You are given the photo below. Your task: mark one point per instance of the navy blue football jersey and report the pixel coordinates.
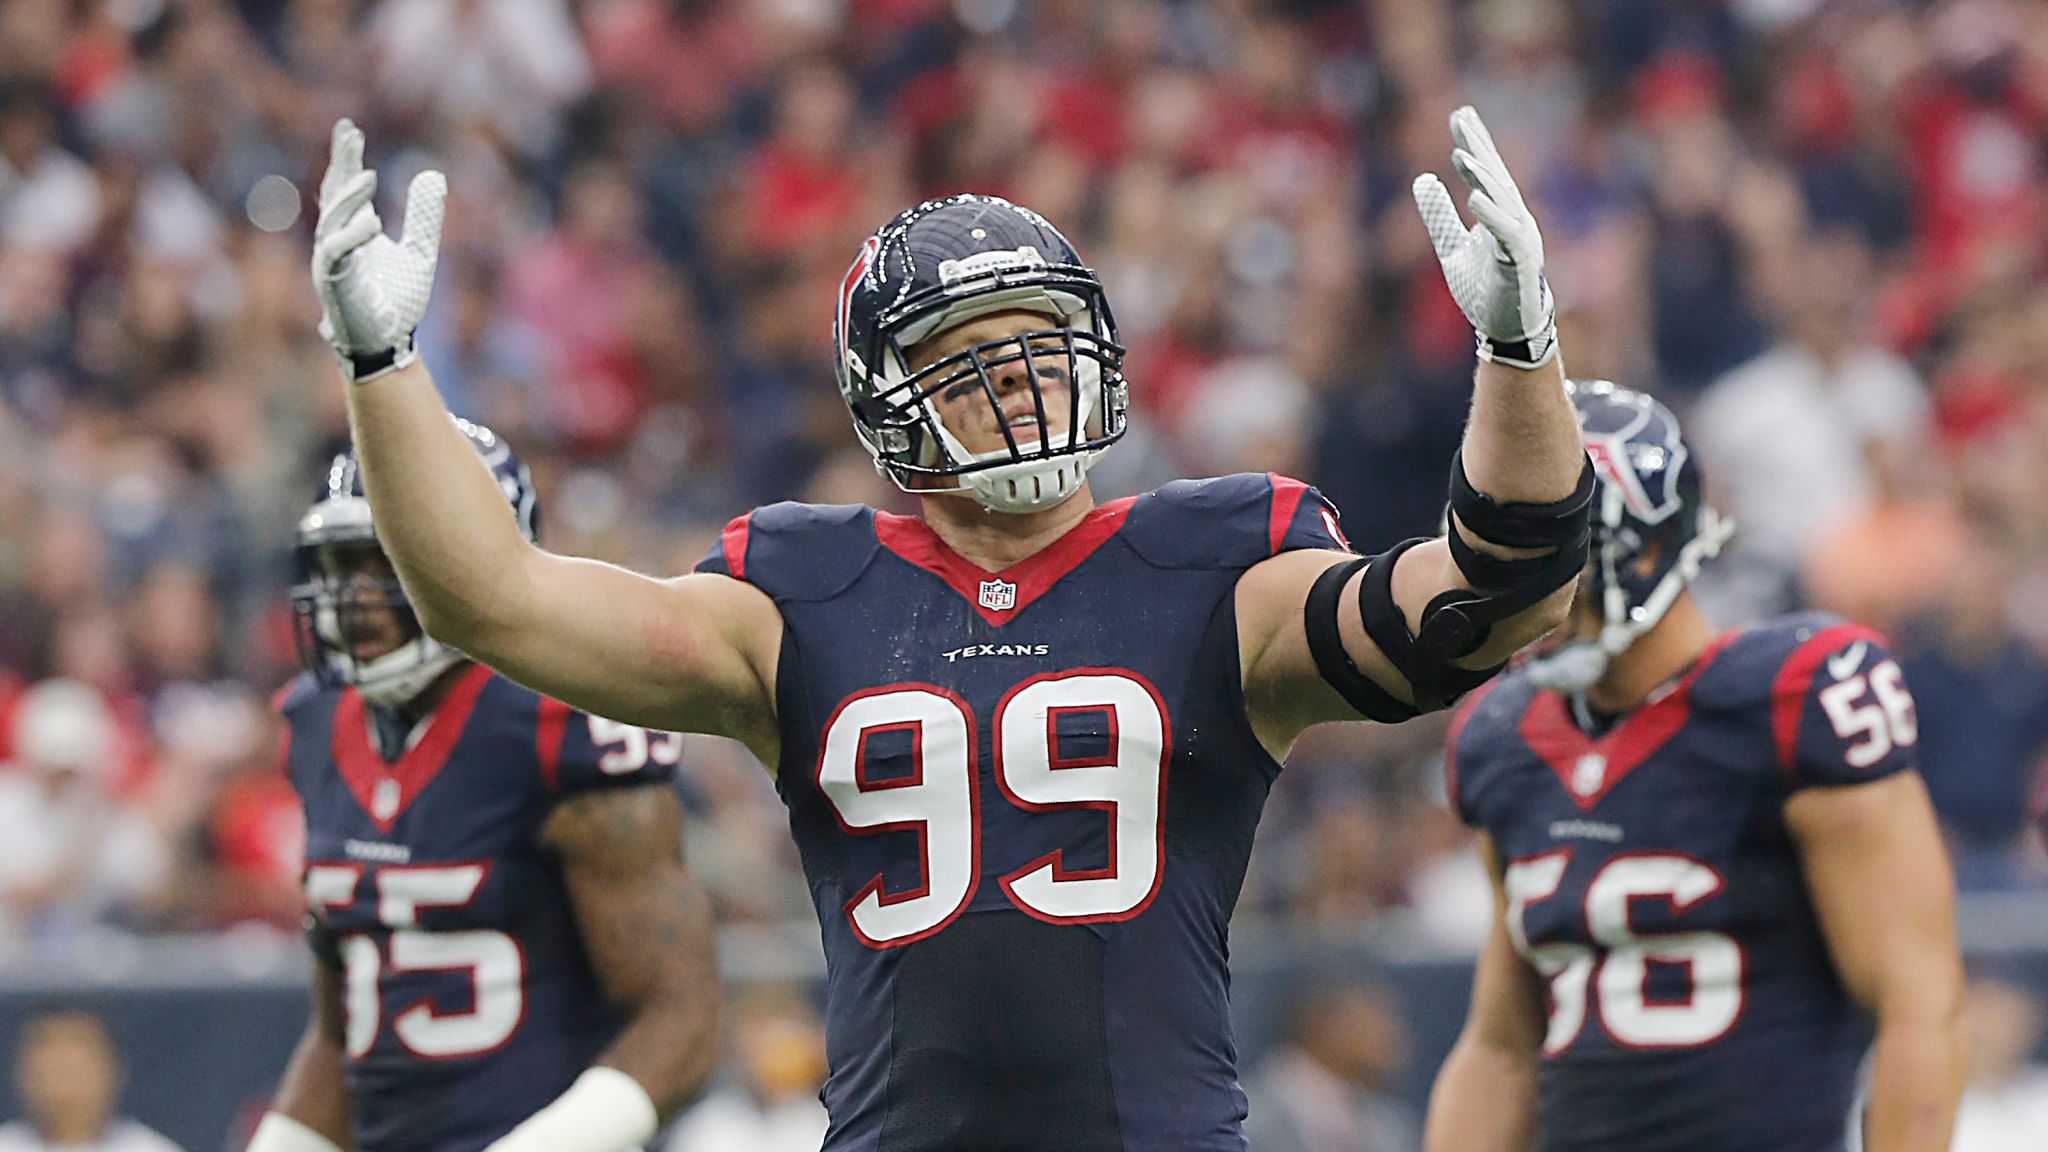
(1024, 802)
(468, 998)
(1652, 883)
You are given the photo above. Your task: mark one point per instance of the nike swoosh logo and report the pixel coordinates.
(1843, 665)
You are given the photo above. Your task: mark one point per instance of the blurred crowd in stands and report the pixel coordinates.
(1816, 228)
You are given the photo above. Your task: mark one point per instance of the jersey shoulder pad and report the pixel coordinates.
(303, 747)
(797, 551)
(1482, 739)
(1830, 692)
(295, 694)
(1230, 521)
(571, 750)
(289, 698)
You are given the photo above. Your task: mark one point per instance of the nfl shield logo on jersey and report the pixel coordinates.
(384, 800)
(1589, 774)
(998, 595)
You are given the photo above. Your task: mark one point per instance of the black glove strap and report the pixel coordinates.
(1524, 354)
(368, 365)
(372, 364)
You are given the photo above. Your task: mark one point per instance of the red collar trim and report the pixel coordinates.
(365, 772)
(1548, 729)
(1028, 579)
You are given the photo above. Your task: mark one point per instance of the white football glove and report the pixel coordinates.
(1495, 268)
(605, 1110)
(373, 290)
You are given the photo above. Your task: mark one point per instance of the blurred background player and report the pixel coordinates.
(1026, 738)
(1330, 1086)
(500, 913)
(1713, 861)
(69, 850)
(68, 1076)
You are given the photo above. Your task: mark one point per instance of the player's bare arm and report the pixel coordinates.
(1484, 1099)
(695, 653)
(1409, 630)
(310, 1112)
(648, 929)
(1881, 887)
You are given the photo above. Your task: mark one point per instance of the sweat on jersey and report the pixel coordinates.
(1024, 802)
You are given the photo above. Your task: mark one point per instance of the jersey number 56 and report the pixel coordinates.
(1617, 973)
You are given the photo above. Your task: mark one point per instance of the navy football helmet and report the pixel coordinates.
(1652, 527)
(329, 589)
(941, 264)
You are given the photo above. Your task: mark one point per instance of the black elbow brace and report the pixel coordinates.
(1457, 622)
(1326, 644)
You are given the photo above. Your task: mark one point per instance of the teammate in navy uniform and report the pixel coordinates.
(1715, 866)
(499, 911)
(1025, 738)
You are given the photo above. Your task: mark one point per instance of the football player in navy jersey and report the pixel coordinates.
(1025, 737)
(500, 915)
(1718, 879)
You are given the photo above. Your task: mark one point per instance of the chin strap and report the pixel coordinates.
(1574, 667)
(1029, 486)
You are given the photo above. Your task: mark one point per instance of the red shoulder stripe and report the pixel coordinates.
(284, 751)
(1287, 494)
(549, 727)
(733, 541)
(1795, 678)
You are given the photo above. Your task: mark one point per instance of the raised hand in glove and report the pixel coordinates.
(1494, 268)
(373, 290)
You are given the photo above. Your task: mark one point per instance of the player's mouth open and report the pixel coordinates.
(366, 642)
